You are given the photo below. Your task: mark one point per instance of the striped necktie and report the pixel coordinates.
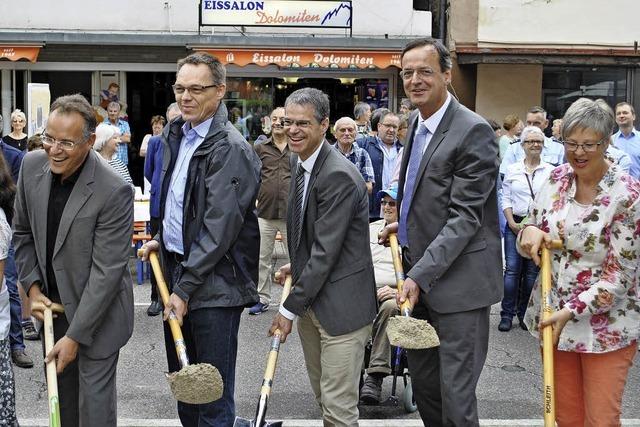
(417, 149)
(297, 211)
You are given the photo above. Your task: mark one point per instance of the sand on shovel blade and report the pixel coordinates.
(411, 333)
(196, 384)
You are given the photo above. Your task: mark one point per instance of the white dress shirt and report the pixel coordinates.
(516, 193)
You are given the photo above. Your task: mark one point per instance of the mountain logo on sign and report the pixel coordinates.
(331, 14)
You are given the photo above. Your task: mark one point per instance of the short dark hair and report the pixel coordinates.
(113, 84)
(444, 55)
(35, 142)
(218, 72)
(158, 119)
(7, 189)
(377, 115)
(537, 110)
(313, 97)
(77, 104)
(622, 104)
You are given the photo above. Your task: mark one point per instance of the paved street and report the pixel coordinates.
(509, 390)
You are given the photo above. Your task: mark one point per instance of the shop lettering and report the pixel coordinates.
(300, 18)
(233, 5)
(259, 58)
(342, 60)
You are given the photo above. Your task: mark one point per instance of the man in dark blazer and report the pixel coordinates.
(448, 229)
(72, 233)
(333, 292)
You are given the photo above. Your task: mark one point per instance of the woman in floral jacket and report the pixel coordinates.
(593, 207)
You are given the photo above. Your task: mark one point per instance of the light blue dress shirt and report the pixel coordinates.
(631, 145)
(552, 152)
(172, 223)
(389, 163)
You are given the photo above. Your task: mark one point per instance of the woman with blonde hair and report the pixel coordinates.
(513, 126)
(17, 138)
(106, 144)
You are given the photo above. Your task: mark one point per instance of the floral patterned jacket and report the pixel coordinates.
(595, 274)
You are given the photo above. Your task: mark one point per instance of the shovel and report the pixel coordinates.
(405, 331)
(548, 397)
(267, 381)
(52, 376)
(196, 384)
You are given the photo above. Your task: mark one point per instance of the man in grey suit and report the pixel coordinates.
(448, 230)
(334, 292)
(72, 233)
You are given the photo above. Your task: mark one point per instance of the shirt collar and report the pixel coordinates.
(351, 151)
(307, 165)
(632, 134)
(202, 129)
(432, 122)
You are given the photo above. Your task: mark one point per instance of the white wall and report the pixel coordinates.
(370, 17)
(564, 22)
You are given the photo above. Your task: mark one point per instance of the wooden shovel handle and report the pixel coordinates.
(39, 306)
(406, 307)
(52, 376)
(163, 290)
(548, 396)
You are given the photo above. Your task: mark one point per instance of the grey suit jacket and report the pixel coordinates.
(91, 253)
(331, 268)
(452, 225)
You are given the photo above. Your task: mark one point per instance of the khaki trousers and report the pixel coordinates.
(333, 364)
(380, 360)
(268, 230)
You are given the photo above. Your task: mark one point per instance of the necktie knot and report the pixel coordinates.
(422, 129)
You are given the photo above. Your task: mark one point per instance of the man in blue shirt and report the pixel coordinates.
(627, 138)
(113, 118)
(552, 151)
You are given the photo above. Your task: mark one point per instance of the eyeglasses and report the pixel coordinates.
(193, 90)
(391, 203)
(533, 142)
(303, 124)
(588, 147)
(64, 144)
(423, 73)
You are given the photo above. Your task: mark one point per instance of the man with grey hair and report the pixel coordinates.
(72, 234)
(333, 294)
(345, 132)
(208, 238)
(362, 114)
(552, 151)
(113, 118)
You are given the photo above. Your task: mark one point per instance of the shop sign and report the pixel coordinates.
(276, 13)
(308, 58)
(14, 53)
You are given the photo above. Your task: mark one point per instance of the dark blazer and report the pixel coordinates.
(454, 238)
(331, 267)
(91, 254)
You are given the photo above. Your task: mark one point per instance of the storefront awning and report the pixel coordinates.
(307, 58)
(15, 53)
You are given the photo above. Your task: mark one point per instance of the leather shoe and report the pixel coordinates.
(21, 359)
(371, 390)
(522, 324)
(505, 325)
(29, 330)
(154, 309)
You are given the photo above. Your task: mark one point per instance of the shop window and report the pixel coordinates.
(65, 82)
(561, 86)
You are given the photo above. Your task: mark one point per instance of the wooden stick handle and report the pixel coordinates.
(55, 307)
(163, 290)
(547, 338)
(52, 376)
(272, 359)
(405, 308)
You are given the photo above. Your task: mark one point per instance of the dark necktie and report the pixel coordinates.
(297, 211)
(417, 149)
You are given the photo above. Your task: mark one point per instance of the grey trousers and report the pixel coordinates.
(444, 378)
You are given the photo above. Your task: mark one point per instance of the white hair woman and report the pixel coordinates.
(521, 183)
(594, 208)
(107, 140)
(17, 138)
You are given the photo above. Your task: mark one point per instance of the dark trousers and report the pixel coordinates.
(444, 378)
(86, 387)
(154, 225)
(211, 336)
(16, 339)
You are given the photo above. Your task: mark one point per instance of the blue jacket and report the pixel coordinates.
(13, 156)
(370, 145)
(153, 171)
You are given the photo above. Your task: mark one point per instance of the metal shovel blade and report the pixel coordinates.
(243, 422)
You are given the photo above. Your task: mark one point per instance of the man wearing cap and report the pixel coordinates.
(380, 359)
